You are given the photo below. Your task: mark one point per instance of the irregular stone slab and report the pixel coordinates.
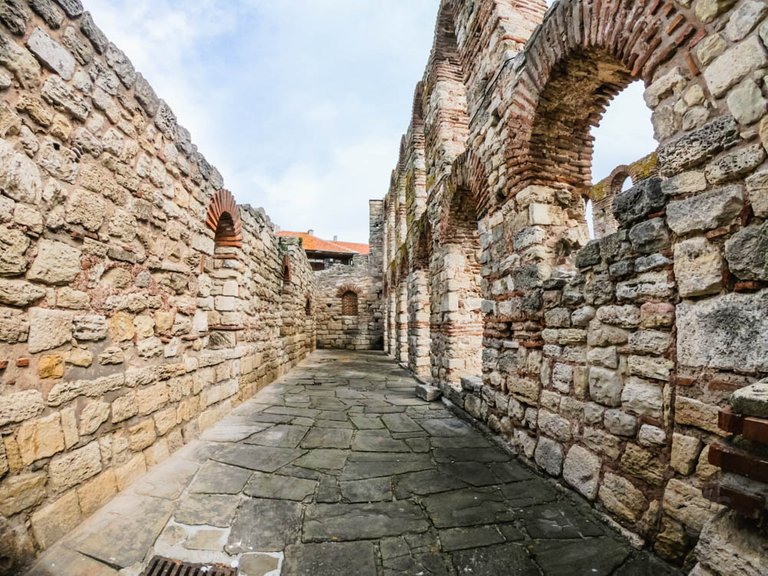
(528, 493)
(265, 526)
(371, 490)
(207, 539)
(257, 564)
(377, 441)
(142, 517)
(496, 560)
(207, 510)
(468, 507)
(327, 438)
(512, 471)
(473, 473)
(51, 564)
(454, 539)
(598, 556)
(323, 460)
(167, 480)
(400, 423)
(643, 564)
(447, 427)
(344, 522)
(367, 422)
(262, 458)
(215, 478)
(330, 559)
(289, 411)
(429, 562)
(559, 521)
(281, 436)
(373, 464)
(751, 400)
(232, 433)
(424, 483)
(470, 455)
(279, 487)
(428, 393)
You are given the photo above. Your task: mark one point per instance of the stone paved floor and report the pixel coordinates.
(338, 469)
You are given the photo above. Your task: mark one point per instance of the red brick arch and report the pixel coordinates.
(583, 55)
(223, 218)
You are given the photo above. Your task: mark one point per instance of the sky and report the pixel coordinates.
(301, 104)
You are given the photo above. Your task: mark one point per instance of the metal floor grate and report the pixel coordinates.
(159, 566)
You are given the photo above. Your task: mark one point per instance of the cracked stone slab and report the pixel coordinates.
(280, 436)
(261, 458)
(468, 507)
(330, 559)
(558, 521)
(344, 522)
(327, 438)
(321, 459)
(74, 563)
(207, 510)
(598, 556)
(167, 480)
(279, 487)
(232, 432)
(496, 560)
(144, 519)
(363, 465)
(425, 482)
(264, 526)
(371, 490)
(216, 478)
(454, 539)
(528, 493)
(400, 423)
(377, 441)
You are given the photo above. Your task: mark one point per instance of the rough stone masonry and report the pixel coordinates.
(138, 303)
(604, 362)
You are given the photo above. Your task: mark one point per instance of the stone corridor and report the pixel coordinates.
(338, 469)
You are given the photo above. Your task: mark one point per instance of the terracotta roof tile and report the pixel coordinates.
(314, 244)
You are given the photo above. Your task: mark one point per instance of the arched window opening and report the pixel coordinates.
(287, 270)
(225, 229)
(308, 306)
(349, 304)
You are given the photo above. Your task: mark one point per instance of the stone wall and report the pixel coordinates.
(138, 302)
(363, 277)
(604, 363)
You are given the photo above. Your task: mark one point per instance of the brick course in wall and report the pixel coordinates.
(138, 303)
(604, 363)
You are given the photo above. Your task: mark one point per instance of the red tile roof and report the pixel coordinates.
(312, 243)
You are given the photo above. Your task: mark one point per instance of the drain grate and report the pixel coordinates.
(159, 566)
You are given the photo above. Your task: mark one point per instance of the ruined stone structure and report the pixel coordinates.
(605, 363)
(138, 302)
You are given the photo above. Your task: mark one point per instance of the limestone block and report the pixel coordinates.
(149, 347)
(93, 415)
(19, 293)
(710, 48)
(554, 425)
(40, 438)
(652, 367)
(735, 164)
(66, 391)
(727, 332)
(751, 400)
(20, 406)
(20, 177)
(643, 398)
(706, 211)
(605, 386)
(698, 267)
(582, 471)
(97, 492)
(85, 208)
(624, 316)
(649, 342)
(549, 455)
(133, 469)
(19, 61)
(686, 504)
(121, 327)
(643, 464)
(56, 263)
(122, 66)
(90, 327)
(57, 93)
(51, 54)
(124, 407)
(650, 436)
(75, 467)
(73, 8)
(56, 520)
(621, 497)
(685, 453)
(22, 492)
(643, 199)
(620, 423)
(79, 357)
(734, 64)
(51, 366)
(29, 217)
(744, 19)
(691, 412)
(72, 299)
(757, 187)
(747, 253)
(13, 246)
(152, 398)
(698, 146)
(684, 183)
(112, 355)
(726, 548)
(600, 441)
(746, 102)
(141, 435)
(48, 329)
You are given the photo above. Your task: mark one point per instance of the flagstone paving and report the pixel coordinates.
(338, 469)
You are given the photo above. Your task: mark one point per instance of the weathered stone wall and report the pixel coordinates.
(138, 303)
(337, 330)
(363, 277)
(604, 362)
